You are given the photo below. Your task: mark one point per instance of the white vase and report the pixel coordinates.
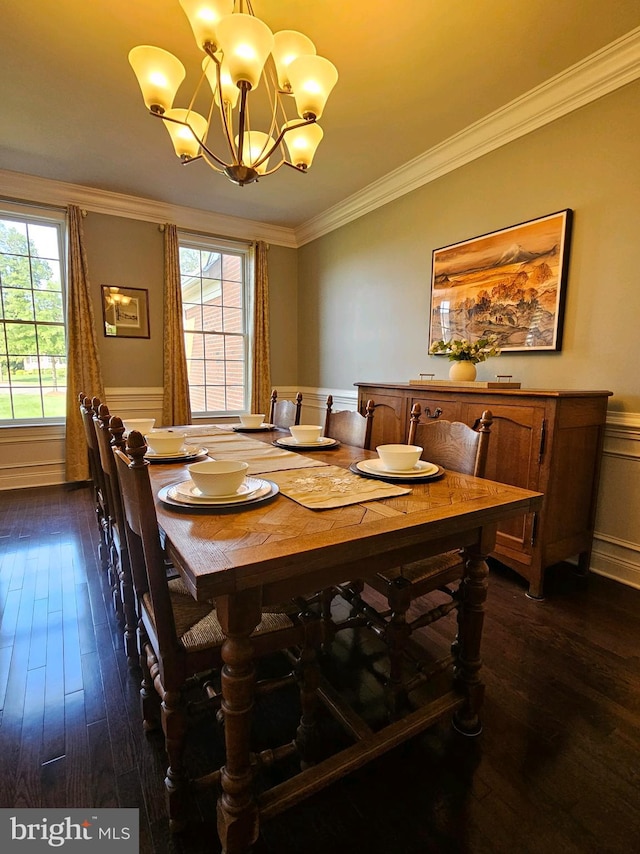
(463, 371)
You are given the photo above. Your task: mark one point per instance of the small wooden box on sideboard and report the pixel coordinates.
(548, 441)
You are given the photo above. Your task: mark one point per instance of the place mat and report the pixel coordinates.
(262, 457)
(332, 486)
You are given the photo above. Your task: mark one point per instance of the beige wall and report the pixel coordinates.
(129, 253)
(364, 289)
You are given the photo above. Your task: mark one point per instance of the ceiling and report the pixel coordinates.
(411, 76)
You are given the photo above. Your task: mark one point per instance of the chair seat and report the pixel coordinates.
(197, 626)
(423, 570)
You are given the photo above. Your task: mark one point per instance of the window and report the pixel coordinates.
(33, 361)
(216, 303)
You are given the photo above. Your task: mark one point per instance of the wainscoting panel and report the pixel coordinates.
(34, 456)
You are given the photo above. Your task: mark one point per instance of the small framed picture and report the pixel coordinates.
(125, 312)
(509, 283)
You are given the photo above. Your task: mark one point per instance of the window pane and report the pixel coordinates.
(216, 399)
(43, 240)
(18, 304)
(189, 262)
(33, 372)
(212, 316)
(21, 339)
(214, 346)
(232, 294)
(234, 373)
(55, 403)
(195, 369)
(232, 268)
(27, 404)
(48, 306)
(214, 300)
(233, 320)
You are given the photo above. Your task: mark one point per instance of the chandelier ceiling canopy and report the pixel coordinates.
(242, 59)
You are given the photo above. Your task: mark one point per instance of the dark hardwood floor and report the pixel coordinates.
(557, 768)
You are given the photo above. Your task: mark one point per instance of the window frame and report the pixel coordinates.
(246, 252)
(40, 214)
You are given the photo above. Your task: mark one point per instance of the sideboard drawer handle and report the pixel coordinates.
(436, 412)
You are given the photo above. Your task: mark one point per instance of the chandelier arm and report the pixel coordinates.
(242, 117)
(210, 50)
(302, 168)
(196, 137)
(210, 163)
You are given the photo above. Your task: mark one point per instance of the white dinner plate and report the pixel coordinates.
(421, 469)
(323, 442)
(169, 495)
(189, 452)
(187, 489)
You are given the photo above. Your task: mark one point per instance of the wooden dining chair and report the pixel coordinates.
(457, 448)
(88, 409)
(285, 413)
(122, 589)
(349, 425)
(180, 639)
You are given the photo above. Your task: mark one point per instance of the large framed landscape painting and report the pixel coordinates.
(510, 283)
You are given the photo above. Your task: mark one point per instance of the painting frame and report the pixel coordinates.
(125, 312)
(510, 283)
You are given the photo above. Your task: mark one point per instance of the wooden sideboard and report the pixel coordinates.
(549, 441)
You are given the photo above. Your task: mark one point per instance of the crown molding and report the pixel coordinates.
(599, 74)
(32, 188)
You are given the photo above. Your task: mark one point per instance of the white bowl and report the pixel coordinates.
(165, 441)
(399, 457)
(144, 425)
(252, 420)
(218, 477)
(305, 434)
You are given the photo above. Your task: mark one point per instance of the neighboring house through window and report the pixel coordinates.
(216, 302)
(33, 362)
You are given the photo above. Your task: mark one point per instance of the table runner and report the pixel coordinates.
(332, 486)
(262, 458)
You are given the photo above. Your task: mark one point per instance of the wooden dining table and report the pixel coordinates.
(250, 557)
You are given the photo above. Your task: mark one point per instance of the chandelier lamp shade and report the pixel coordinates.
(243, 60)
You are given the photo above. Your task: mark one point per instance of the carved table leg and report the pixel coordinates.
(237, 811)
(470, 622)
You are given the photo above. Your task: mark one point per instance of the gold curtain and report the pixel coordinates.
(261, 368)
(83, 360)
(176, 405)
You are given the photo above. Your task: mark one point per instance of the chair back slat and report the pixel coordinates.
(349, 426)
(451, 444)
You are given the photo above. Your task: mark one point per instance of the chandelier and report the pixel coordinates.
(242, 58)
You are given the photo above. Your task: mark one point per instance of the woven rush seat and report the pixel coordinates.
(421, 570)
(197, 626)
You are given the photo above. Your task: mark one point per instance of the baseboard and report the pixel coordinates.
(616, 559)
